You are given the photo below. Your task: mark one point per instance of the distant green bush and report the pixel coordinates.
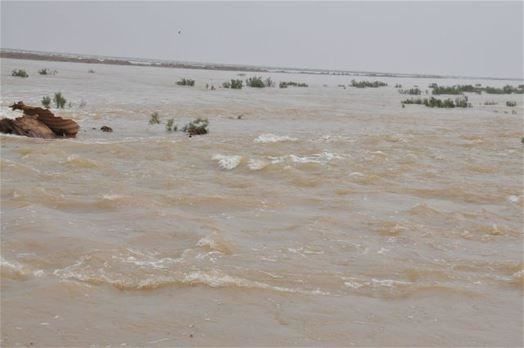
(91, 71)
(171, 126)
(398, 85)
(505, 90)
(59, 100)
(269, 83)
(490, 102)
(368, 84)
(455, 90)
(19, 73)
(255, 82)
(511, 103)
(46, 102)
(186, 82)
(285, 84)
(439, 103)
(411, 91)
(155, 118)
(46, 71)
(197, 127)
(233, 84)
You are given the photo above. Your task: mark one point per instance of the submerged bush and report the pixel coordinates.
(366, 84)
(91, 71)
(255, 82)
(59, 100)
(490, 103)
(505, 90)
(155, 118)
(411, 91)
(46, 102)
(233, 84)
(285, 84)
(19, 73)
(269, 83)
(439, 103)
(171, 126)
(455, 90)
(511, 103)
(196, 127)
(186, 82)
(46, 71)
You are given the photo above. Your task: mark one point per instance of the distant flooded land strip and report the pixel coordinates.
(89, 59)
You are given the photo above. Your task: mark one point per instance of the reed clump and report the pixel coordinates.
(186, 82)
(368, 84)
(197, 127)
(439, 103)
(286, 84)
(19, 73)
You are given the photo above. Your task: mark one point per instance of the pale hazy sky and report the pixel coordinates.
(459, 38)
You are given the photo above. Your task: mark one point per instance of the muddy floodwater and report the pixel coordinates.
(307, 216)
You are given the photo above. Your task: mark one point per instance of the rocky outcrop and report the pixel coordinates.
(26, 126)
(38, 123)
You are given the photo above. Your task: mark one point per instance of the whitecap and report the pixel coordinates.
(272, 138)
(321, 158)
(227, 162)
(257, 164)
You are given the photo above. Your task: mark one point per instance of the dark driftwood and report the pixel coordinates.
(38, 123)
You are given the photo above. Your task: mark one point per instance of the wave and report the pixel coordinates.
(228, 162)
(272, 138)
(321, 158)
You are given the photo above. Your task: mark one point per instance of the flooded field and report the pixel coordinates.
(307, 216)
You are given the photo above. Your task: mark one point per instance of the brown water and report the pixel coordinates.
(325, 216)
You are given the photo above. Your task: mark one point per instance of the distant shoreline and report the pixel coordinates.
(91, 59)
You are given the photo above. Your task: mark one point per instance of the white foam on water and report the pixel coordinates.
(272, 138)
(228, 162)
(513, 199)
(321, 158)
(257, 164)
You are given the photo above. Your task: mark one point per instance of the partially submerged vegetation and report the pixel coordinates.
(439, 103)
(411, 91)
(461, 89)
(286, 84)
(186, 82)
(455, 90)
(46, 101)
(255, 82)
(505, 90)
(46, 71)
(197, 127)
(171, 126)
(368, 84)
(233, 84)
(59, 100)
(19, 73)
(511, 103)
(154, 118)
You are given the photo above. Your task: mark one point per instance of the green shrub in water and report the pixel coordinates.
(155, 118)
(59, 100)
